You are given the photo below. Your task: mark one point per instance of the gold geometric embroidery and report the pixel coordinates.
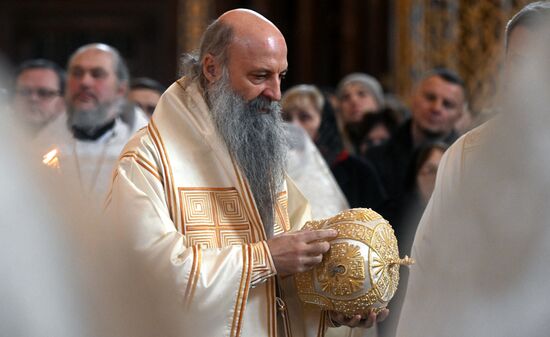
(214, 217)
(230, 207)
(282, 223)
(199, 208)
(262, 267)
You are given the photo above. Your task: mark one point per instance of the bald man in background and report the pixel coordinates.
(84, 144)
(212, 211)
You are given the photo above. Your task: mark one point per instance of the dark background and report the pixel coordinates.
(326, 39)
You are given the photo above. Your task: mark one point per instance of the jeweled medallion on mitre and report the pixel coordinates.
(360, 272)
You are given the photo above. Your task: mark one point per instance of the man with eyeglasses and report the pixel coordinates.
(86, 143)
(38, 93)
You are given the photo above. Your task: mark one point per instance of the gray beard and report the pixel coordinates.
(93, 119)
(255, 137)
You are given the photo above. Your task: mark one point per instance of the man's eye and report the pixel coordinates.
(430, 97)
(449, 105)
(76, 72)
(98, 73)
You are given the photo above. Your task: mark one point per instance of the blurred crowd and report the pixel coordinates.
(382, 152)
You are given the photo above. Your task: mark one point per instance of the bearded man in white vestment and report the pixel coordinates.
(483, 244)
(84, 144)
(201, 193)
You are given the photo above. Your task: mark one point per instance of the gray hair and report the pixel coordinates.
(303, 90)
(121, 70)
(531, 16)
(367, 81)
(214, 41)
(255, 137)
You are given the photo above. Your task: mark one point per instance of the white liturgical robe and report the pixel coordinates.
(187, 211)
(483, 245)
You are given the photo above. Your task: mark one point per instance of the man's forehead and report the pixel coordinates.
(259, 52)
(37, 73)
(38, 76)
(93, 58)
(436, 82)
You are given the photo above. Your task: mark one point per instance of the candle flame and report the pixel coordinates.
(50, 159)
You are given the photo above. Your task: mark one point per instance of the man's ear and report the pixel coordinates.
(211, 68)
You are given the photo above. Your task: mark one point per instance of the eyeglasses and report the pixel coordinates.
(41, 93)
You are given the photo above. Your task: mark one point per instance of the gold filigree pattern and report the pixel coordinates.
(340, 281)
(384, 251)
(342, 271)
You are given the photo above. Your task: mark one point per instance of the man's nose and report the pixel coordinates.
(273, 90)
(86, 80)
(33, 96)
(437, 106)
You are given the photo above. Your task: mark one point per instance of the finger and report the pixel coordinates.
(317, 248)
(311, 261)
(382, 315)
(369, 322)
(320, 234)
(337, 317)
(354, 321)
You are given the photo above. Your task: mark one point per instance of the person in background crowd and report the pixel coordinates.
(38, 94)
(373, 130)
(301, 108)
(328, 139)
(85, 144)
(437, 103)
(302, 105)
(358, 95)
(404, 213)
(145, 93)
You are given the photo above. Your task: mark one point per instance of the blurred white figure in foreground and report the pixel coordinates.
(483, 245)
(61, 275)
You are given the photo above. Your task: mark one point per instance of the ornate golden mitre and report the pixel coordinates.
(360, 272)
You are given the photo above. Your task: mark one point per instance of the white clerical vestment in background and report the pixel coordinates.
(307, 168)
(184, 206)
(87, 164)
(482, 248)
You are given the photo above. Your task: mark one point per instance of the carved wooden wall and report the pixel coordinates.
(464, 35)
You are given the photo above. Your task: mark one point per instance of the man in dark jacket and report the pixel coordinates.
(437, 103)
